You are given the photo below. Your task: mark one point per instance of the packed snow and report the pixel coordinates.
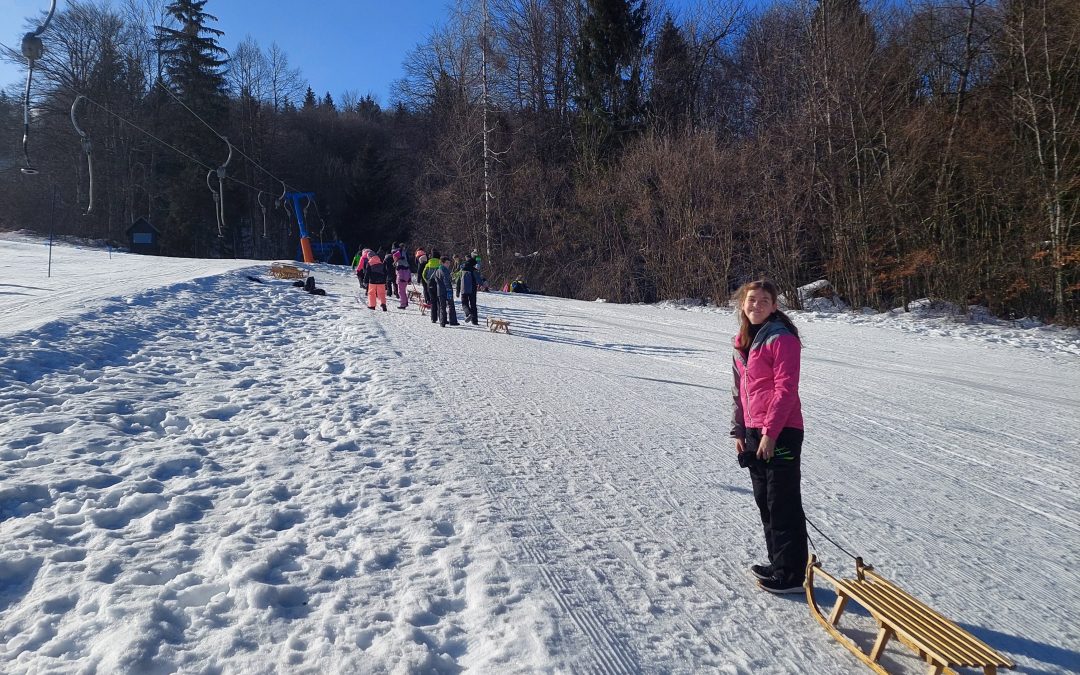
(206, 470)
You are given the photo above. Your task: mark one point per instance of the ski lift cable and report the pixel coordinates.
(85, 140)
(168, 145)
(211, 128)
(32, 48)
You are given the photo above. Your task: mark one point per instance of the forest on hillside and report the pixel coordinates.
(614, 148)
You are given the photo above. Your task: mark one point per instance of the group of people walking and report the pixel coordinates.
(386, 275)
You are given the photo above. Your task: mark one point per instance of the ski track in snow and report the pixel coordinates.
(217, 475)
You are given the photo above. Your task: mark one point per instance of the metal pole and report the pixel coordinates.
(52, 221)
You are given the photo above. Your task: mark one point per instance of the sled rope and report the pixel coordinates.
(818, 530)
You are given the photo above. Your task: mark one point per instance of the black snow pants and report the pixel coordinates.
(433, 298)
(447, 310)
(468, 303)
(778, 495)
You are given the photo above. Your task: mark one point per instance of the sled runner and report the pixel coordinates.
(280, 271)
(496, 325)
(935, 639)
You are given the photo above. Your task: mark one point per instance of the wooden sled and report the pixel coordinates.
(417, 298)
(280, 271)
(939, 642)
(496, 325)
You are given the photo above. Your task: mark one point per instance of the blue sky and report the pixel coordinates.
(337, 44)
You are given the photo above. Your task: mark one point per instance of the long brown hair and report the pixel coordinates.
(744, 323)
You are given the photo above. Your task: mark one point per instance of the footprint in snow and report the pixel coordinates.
(21, 500)
(225, 412)
(341, 509)
(52, 427)
(285, 520)
(18, 575)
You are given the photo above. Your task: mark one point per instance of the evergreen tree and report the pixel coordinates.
(193, 59)
(671, 96)
(328, 103)
(310, 102)
(194, 65)
(607, 68)
(368, 108)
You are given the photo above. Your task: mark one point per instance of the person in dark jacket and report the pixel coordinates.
(767, 426)
(444, 290)
(427, 280)
(468, 284)
(375, 277)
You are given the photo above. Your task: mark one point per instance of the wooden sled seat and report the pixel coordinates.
(939, 642)
(496, 325)
(280, 271)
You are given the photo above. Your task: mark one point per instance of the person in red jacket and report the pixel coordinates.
(767, 426)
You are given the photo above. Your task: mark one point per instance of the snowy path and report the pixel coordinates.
(219, 475)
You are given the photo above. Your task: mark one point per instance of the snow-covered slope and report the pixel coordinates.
(202, 473)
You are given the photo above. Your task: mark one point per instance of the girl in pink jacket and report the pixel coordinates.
(767, 426)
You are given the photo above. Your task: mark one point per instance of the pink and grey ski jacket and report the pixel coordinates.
(766, 391)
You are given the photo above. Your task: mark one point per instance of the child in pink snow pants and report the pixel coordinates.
(376, 292)
(375, 276)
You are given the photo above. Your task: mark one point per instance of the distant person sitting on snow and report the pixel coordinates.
(427, 279)
(375, 277)
(469, 283)
(309, 286)
(444, 288)
(767, 426)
